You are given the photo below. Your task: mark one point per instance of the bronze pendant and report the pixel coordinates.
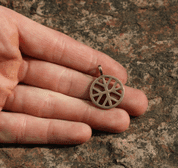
(106, 91)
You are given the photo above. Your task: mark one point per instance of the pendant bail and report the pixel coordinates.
(100, 69)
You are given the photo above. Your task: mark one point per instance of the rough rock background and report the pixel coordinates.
(143, 36)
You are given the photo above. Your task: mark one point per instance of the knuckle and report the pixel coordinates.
(45, 106)
(65, 82)
(3, 134)
(70, 83)
(87, 114)
(93, 61)
(20, 137)
(49, 132)
(59, 49)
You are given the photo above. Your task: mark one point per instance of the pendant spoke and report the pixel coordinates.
(117, 93)
(109, 81)
(100, 84)
(105, 102)
(120, 88)
(112, 98)
(96, 94)
(97, 90)
(104, 81)
(99, 98)
(109, 100)
(114, 86)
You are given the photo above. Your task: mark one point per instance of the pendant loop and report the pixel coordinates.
(100, 69)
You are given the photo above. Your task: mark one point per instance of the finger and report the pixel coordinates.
(48, 104)
(55, 77)
(10, 58)
(25, 129)
(135, 101)
(44, 43)
(73, 83)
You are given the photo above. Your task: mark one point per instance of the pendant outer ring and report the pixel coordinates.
(114, 105)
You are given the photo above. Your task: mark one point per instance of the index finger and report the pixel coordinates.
(44, 43)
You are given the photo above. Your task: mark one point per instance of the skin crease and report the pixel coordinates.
(33, 95)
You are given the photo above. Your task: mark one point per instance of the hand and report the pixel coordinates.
(45, 78)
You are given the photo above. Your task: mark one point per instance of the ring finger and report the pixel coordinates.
(48, 104)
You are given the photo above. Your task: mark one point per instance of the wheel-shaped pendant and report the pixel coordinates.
(106, 91)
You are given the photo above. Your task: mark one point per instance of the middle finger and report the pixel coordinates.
(73, 83)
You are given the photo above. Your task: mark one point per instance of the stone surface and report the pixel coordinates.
(143, 36)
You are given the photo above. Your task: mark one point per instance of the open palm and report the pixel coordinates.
(45, 77)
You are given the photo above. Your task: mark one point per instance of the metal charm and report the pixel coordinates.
(106, 91)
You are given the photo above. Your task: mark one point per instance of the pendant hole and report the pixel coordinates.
(106, 78)
(110, 86)
(118, 85)
(113, 102)
(101, 81)
(96, 98)
(107, 104)
(119, 91)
